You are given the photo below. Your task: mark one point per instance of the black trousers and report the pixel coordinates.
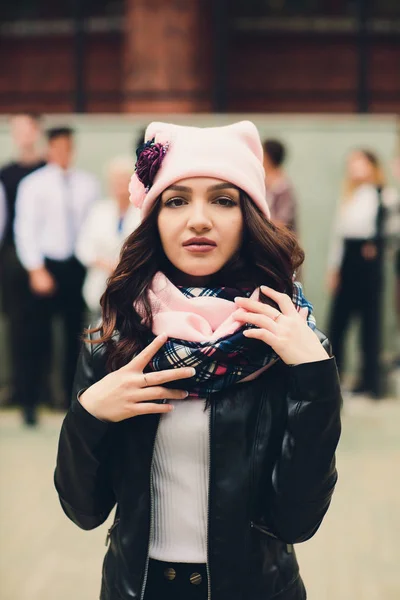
(360, 295)
(21, 309)
(68, 304)
(34, 342)
(176, 581)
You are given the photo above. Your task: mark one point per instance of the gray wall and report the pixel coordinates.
(317, 148)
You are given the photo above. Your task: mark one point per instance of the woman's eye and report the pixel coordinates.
(224, 201)
(174, 202)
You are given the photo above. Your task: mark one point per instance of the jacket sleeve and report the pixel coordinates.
(304, 476)
(82, 476)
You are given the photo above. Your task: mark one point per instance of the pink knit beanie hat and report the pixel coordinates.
(172, 152)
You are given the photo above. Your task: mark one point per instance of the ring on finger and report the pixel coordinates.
(277, 316)
(145, 381)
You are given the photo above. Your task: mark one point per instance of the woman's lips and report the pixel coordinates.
(199, 245)
(199, 248)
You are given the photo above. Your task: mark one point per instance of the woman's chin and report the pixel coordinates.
(193, 275)
(198, 266)
(199, 272)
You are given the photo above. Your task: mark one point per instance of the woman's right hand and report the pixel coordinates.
(128, 392)
(333, 281)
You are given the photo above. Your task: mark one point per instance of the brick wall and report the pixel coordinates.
(309, 74)
(37, 74)
(163, 62)
(167, 56)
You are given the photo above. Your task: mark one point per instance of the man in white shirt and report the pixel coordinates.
(52, 203)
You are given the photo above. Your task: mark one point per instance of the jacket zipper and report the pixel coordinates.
(208, 503)
(109, 532)
(146, 571)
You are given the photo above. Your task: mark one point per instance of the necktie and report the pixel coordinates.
(68, 217)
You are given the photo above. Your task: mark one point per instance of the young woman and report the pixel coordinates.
(367, 219)
(202, 316)
(108, 224)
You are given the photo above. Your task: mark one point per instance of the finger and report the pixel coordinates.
(283, 301)
(262, 334)
(257, 307)
(303, 312)
(144, 357)
(159, 393)
(261, 321)
(160, 377)
(149, 408)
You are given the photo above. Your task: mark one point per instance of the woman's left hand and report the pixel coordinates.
(287, 331)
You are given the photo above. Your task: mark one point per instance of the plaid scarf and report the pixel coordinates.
(221, 362)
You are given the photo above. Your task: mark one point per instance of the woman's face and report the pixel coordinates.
(200, 223)
(119, 184)
(359, 168)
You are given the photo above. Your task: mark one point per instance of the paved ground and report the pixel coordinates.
(353, 557)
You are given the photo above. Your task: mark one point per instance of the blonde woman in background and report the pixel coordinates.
(368, 216)
(108, 224)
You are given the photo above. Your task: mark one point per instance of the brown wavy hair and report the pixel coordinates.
(268, 255)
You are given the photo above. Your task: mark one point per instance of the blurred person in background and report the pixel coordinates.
(108, 224)
(366, 220)
(16, 296)
(139, 140)
(209, 496)
(3, 214)
(281, 197)
(52, 204)
(396, 173)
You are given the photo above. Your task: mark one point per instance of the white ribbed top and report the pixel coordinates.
(356, 219)
(180, 484)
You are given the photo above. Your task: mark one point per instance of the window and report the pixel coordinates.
(48, 9)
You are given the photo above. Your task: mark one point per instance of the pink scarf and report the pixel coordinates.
(200, 319)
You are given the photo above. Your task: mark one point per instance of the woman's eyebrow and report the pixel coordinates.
(218, 186)
(178, 188)
(222, 186)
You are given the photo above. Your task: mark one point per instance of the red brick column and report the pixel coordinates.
(167, 56)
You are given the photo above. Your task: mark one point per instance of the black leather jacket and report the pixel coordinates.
(272, 474)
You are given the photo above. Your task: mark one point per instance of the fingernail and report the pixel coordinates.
(186, 393)
(193, 371)
(171, 407)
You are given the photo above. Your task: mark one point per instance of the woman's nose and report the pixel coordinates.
(199, 220)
